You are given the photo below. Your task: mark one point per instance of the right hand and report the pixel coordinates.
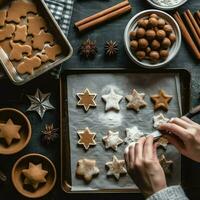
(184, 134)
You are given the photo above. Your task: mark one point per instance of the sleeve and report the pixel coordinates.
(169, 193)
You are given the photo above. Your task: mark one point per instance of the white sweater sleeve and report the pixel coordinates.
(169, 193)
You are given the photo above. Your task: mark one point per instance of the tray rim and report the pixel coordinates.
(65, 186)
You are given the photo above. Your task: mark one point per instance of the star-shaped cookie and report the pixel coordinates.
(116, 167)
(136, 100)
(166, 164)
(86, 99)
(133, 135)
(112, 140)
(87, 138)
(87, 169)
(112, 100)
(162, 142)
(9, 131)
(158, 120)
(34, 175)
(40, 103)
(161, 100)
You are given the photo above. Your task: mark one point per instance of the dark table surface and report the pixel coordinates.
(16, 96)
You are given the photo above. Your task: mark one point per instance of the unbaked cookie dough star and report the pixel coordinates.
(112, 140)
(112, 100)
(116, 167)
(87, 138)
(86, 99)
(158, 120)
(34, 175)
(133, 135)
(161, 100)
(136, 100)
(9, 131)
(166, 164)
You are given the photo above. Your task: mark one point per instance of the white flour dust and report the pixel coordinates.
(167, 2)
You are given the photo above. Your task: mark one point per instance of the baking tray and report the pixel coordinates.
(61, 39)
(103, 77)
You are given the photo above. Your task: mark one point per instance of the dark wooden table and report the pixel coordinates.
(15, 96)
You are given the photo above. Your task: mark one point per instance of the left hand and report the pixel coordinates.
(143, 166)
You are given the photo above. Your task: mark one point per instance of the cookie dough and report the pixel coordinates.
(158, 120)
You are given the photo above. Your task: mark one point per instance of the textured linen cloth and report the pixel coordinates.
(169, 193)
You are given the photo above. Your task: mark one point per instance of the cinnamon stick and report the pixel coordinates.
(197, 16)
(192, 28)
(102, 13)
(187, 36)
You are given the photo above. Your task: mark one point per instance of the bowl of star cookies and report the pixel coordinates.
(15, 131)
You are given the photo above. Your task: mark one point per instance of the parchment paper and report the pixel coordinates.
(100, 121)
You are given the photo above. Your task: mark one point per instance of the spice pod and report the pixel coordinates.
(34, 175)
(15, 122)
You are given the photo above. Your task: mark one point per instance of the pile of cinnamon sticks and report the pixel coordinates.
(103, 16)
(191, 32)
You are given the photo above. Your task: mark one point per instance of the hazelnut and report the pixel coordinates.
(140, 55)
(140, 32)
(154, 56)
(166, 43)
(132, 35)
(154, 15)
(146, 22)
(143, 43)
(161, 23)
(167, 28)
(155, 45)
(150, 34)
(172, 37)
(141, 23)
(164, 54)
(153, 22)
(160, 34)
(134, 45)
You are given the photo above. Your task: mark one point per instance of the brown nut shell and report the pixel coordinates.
(143, 43)
(155, 44)
(161, 34)
(140, 55)
(134, 45)
(140, 32)
(150, 34)
(166, 43)
(154, 56)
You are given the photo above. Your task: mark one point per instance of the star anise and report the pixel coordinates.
(88, 49)
(49, 134)
(111, 48)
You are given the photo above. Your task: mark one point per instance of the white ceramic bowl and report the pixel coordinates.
(162, 7)
(132, 24)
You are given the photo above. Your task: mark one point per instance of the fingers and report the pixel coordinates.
(175, 129)
(131, 156)
(148, 148)
(139, 150)
(186, 119)
(155, 145)
(180, 122)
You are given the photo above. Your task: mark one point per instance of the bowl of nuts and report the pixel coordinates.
(152, 38)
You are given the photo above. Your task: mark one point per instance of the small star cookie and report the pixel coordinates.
(87, 169)
(158, 120)
(87, 138)
(86, 99)
(161, 100)
(9, 131)
(133, 135)
(34, 175)
(112, 100)
(166, 164)
(136, 100)
(116, 167)
(112, 140)
(163, 142)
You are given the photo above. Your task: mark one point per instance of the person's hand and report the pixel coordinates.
(184, 134)
(143, 166)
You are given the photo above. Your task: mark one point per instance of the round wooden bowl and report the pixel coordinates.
(25, 132)
(18, 177)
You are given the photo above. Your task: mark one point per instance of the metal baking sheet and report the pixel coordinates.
(99, 121)
(60, 38)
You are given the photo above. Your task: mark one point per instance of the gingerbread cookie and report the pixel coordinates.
(29, 65)
(44, 58)
(7, 31)
(5, 45)
(52, 51)
(161, 100)
(86, 99)
(136, 100)
(35, 24)
(87, 169)
(19, 9)
(116, 167)
(41, 39)
(166, 164)
(34, 175)
(20, 33)
(2, 17)
(18, 50)
(87, 138)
